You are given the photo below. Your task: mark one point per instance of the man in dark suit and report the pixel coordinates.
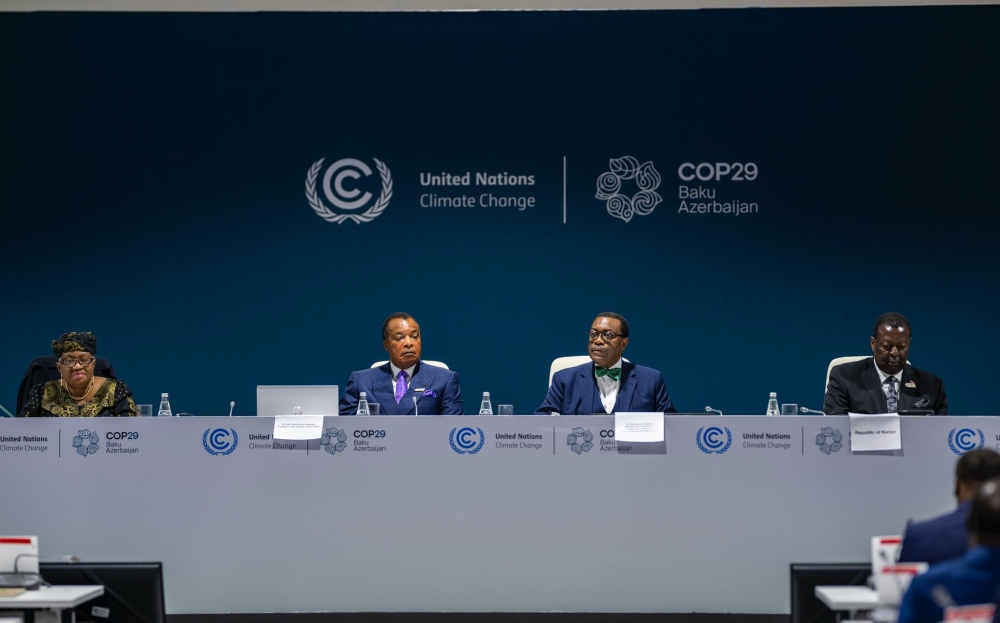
(969, 580)
(404, 386)
(607, 384)
(946, 537)
(885, 383)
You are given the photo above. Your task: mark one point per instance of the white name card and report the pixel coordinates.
(298, 426)
(875, 432)
(639, 427)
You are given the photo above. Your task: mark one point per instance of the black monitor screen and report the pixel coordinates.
(133, 591)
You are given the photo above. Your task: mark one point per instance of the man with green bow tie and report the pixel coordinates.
(608, 384)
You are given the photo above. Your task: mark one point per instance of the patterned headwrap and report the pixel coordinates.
(77, 341)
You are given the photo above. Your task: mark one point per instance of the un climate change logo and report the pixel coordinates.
(829, 440)
(347, 198)
(216, 441)
(85, 442)
(710, 439)
(334, 440)
(609, 186)
(580, 440)
(463, 440)
(964, 440)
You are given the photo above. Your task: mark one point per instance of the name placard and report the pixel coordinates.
(875, 432)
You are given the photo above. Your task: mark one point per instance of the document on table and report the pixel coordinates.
(639, 427)
(875, 432)
(298, 426)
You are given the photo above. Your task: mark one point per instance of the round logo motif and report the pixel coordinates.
(217, 441)
(961, 440)
(347, 198)
(621, 205)
(829, 440)
(463, 440)
(334, 440)
(580, 440)
(85, 442)
(710, 440)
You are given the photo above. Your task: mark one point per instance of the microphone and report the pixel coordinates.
(9, 414)
(415, 412)
(711, 410)
(813, 411)
(232, 404)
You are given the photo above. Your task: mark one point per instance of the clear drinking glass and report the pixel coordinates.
(789, 409)
(505, 409)
(145, 410)
(373, 408)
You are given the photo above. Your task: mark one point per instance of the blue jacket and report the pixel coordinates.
(937, 539)
(436, 390)
(971, 579)
(574, 391)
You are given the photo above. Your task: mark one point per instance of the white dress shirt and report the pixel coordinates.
(883, 376)
(395, 375)
(609, 388)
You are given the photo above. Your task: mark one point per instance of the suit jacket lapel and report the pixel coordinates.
(593, 397)
(627, 388)
(874, 386)
(421, 381)
(384, 391)
(906, 394)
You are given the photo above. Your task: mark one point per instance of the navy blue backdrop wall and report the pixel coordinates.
(155, 171)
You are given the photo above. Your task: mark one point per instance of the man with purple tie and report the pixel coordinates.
(404, 386)
(608, 383)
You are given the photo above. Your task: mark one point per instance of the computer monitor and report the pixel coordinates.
(283, 399)
(806, 606)
(133, 591)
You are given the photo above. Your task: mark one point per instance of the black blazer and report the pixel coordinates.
(855, 387)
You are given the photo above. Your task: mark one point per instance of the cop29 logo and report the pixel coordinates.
(220, 441)
(85, 442)
(961, 440)
(334, 440)
(710, 439)
(624, 206)
(347, 199)
(463, 440)
(580, 440)
(829, 440)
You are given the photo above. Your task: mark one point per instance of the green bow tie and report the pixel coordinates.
(615, 373)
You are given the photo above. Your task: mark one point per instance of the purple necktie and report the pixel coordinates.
(400, 385)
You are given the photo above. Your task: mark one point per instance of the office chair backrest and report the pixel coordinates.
(43, 370)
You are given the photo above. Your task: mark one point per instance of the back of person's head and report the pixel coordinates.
(984, 515)
(977, 466)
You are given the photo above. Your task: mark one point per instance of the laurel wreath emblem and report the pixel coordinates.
(331, 217)
(482, 440)
(729, 442)
(960, 451)
(204, 443)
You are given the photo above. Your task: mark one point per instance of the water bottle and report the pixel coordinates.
(164, 406)
(363, 404)
(772, 405)
(486, 408)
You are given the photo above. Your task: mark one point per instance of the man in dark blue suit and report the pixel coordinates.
(404, 386)
(945, 537)
(972, 579)
(608, 384)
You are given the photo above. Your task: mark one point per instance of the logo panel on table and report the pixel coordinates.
(351, 198)
(220, 441)
(961, 440)
(829, 440)
(467, 440)
(714, 439)
(86, 442)
(580, 440)
(334, 440)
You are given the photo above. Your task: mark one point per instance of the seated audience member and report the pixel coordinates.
(78, 393)
(972, 579)
(404, 386)
(885, 383)
(607, 384)
(945, 537)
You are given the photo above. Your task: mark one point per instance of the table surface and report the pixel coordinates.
(52, 598)
(847, 597)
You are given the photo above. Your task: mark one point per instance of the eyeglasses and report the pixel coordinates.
(83, 361)
(607, 335)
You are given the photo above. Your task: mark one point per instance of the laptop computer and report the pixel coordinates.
(312, 399)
